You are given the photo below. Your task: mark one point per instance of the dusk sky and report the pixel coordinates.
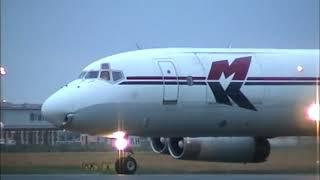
(46, 43)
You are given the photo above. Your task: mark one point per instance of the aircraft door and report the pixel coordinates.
(170, 82)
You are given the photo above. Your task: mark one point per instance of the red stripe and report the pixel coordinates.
(144, 77)
(299, 83)
(160, 78)
(204, 78)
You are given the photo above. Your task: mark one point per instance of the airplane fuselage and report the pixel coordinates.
(188, 92)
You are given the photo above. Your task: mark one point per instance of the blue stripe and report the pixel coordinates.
(281, 83)
(160, 83)
(203, 83)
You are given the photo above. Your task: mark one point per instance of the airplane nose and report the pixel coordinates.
(55, 110)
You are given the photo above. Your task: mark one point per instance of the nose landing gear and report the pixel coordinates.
(126, 165)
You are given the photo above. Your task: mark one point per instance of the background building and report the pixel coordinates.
(23, 124)
(134, 141)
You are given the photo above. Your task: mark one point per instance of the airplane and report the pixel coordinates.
(200, 104)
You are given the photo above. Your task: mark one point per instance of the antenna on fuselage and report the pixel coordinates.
(138, 46)
(230, 44)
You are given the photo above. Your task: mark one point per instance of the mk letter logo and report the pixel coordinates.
(239, 67)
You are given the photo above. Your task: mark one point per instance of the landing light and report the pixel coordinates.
(116, 135)
(119, 135)
(314, 112)
(121, 144)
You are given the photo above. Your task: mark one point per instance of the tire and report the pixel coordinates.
(127, 165)
(130, 165)
(118, 166)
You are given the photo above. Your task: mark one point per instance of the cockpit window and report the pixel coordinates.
(117, 75)
(105, 66)
(105, 75)
(82, 74)
(92, 75)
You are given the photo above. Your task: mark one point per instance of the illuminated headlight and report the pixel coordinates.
(121, 144)
(116, 135)
(314, 112)
(119, 135)
(121, 141)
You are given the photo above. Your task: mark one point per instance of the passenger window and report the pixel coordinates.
(105, 75)
(117, 75)
(82, 74)
(92, 75)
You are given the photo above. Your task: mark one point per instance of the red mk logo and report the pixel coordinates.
(239, 67)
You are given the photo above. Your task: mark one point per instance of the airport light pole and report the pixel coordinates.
(2, 73)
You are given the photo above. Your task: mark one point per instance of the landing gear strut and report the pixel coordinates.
(125, 164)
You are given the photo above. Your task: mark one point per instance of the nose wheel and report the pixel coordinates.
(126, 165)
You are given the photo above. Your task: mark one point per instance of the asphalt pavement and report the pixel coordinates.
(161, 177)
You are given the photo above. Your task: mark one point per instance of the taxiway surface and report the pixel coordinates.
(161, 177)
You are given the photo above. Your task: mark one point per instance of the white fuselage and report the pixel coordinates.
(189, 92)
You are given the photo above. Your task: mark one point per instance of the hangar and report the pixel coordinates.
(23, 124)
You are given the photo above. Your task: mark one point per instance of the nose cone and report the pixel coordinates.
(56, 108)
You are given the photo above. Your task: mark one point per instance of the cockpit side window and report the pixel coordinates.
(105, 75)
(117, 75)
(92, 75)
(82, 74)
